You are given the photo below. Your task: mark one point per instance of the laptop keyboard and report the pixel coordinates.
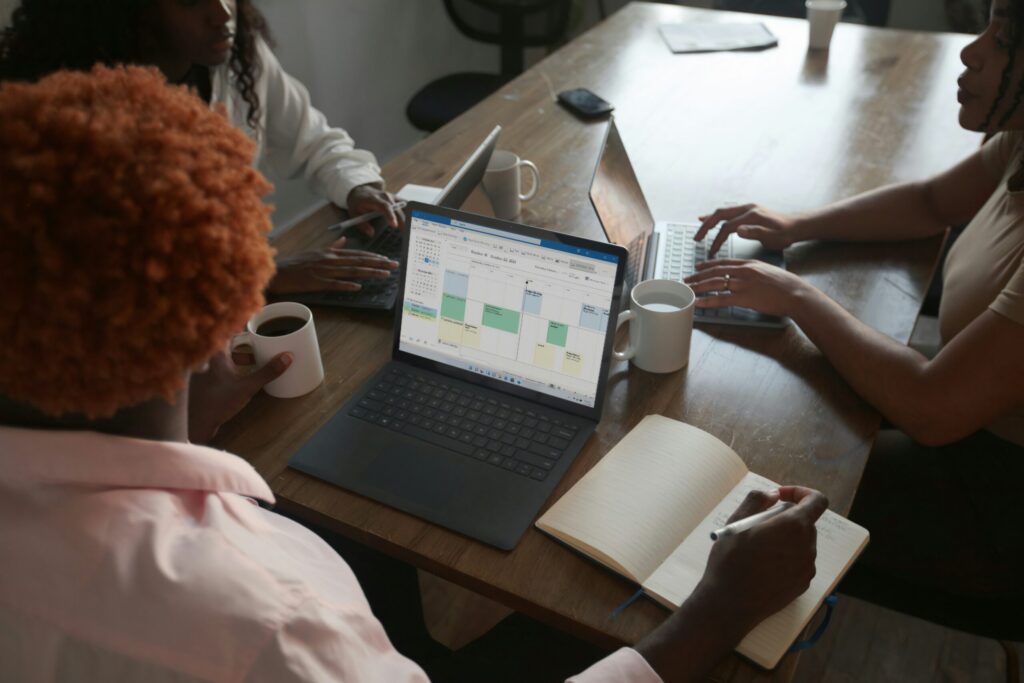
(388, 242)
(682, 254)
(637, 250)
(524, 441)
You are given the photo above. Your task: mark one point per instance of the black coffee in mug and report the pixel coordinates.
(278, 327)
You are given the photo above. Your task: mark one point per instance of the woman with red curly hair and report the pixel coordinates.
(219, 49)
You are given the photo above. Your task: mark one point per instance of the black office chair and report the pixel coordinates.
(512, 24)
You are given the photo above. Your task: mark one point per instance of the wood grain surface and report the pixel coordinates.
(785, 127)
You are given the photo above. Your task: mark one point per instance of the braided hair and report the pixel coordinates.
(1016, 22)
(49, 35)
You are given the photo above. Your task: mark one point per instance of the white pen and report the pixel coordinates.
(741, 525)
(356, 220)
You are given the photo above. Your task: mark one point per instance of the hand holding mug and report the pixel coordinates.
(285, 327)
(222, 390)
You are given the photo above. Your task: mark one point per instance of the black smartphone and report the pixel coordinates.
(584, 103)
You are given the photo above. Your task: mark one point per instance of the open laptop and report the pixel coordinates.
(663, 250)
(498, 373)
(381, 294)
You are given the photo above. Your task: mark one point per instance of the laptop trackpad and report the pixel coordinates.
(421, 481)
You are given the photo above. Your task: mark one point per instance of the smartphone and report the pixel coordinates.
(584, 103)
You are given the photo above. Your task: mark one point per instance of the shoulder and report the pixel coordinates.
(266, 60)
(1001, 150)
(201, 582)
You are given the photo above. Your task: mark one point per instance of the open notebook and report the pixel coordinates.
(647, 511)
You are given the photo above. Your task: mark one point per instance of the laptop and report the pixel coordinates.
(381, 294)
(497, 376)
(664, 250)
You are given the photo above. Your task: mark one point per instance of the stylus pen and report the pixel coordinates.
(742, 525)
(356, 220)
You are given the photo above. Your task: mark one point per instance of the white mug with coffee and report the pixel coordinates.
(503, 183)
(661, 312)
(281, 327)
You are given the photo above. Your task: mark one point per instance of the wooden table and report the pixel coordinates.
(784, 127)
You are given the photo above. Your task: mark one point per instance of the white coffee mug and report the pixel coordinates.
(306, 371)
(503, 183)
(659, 336)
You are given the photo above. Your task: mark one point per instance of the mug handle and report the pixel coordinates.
(241, 338)
(536, 179)
(625, 317)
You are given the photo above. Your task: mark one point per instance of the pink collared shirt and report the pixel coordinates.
(125, 559)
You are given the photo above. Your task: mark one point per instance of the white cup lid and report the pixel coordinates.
(825, 4)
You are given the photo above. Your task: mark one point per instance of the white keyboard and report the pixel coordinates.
(682, 254)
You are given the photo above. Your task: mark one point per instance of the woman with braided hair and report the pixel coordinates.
(940, 493)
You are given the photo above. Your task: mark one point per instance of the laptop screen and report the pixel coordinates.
(526, 311)
(617, 196)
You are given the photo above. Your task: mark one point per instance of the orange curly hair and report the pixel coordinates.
(132, 239)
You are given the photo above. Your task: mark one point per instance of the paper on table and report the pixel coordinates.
(715, 37)
(646, 495)
(419, 193)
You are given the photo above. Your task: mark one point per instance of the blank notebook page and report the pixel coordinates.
(646, 495)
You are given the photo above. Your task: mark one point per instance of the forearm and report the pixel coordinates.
(693, 640)
(890, 376)
(892, 213)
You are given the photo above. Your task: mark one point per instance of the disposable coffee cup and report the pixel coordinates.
(660, 321)
(285, 326)
(822, 17)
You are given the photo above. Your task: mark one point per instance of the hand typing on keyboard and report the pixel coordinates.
(773, 230)
(749, 284)
(333, 268)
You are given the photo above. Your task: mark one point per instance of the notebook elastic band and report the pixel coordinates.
(629, 601)
(830, 604)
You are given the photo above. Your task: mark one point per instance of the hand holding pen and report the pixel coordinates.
(741, 525)
(367, 202)
(756, 572)
(760, 506)
(365, 218)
